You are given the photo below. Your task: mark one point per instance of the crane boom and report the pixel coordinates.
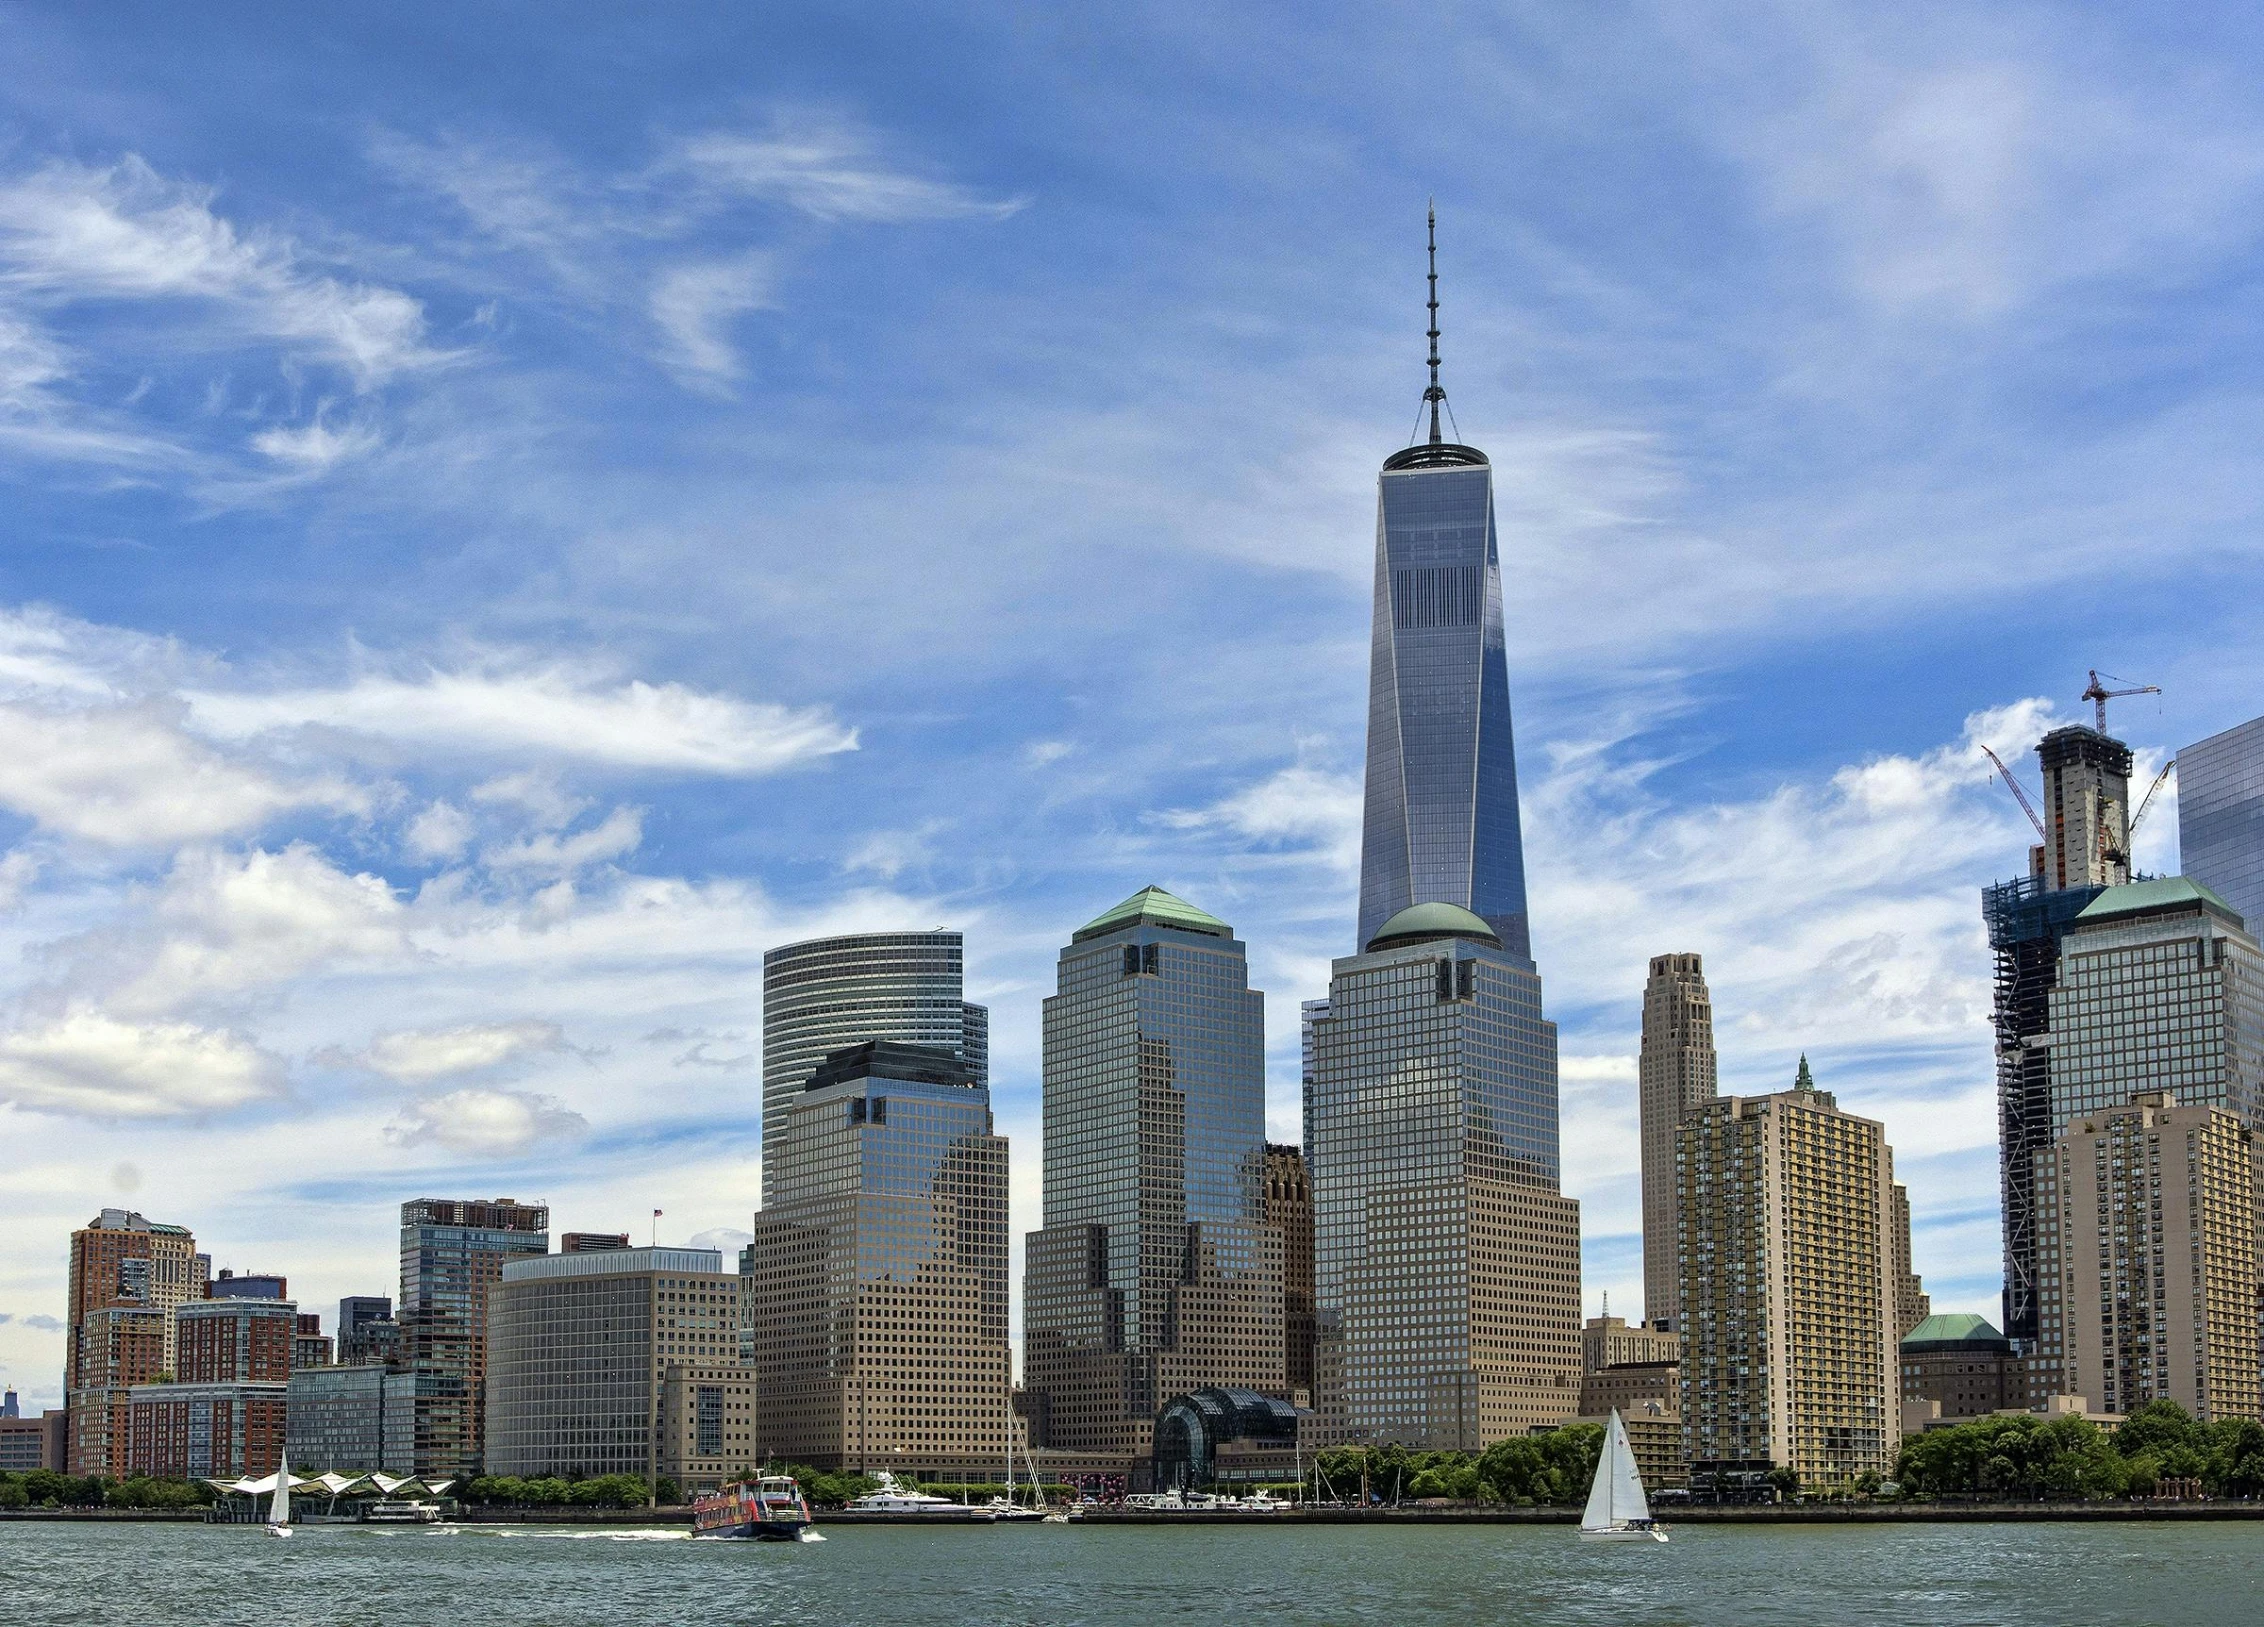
(2147, 801)
(2098, 695)
(2019, 795)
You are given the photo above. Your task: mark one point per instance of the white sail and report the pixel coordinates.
(1628, 1501)
(1616, 1495)
(279, 1506)
(1598, 1516)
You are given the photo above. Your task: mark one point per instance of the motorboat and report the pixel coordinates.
(1617, 1510)
(896, 1500)
(402, 1511)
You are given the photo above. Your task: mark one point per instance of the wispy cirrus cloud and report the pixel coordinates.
(833, 170)
(694, 305)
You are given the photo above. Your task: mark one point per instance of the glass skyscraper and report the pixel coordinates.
(1446, 1259)
(1156, 1271)
(2221, 818)
(828, 993)
(452, 1255)
(1441, 815)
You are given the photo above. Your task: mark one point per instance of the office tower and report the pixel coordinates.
(1289, 1208)
(124, 1263)
(2221, 818)
(1675, 1074)
(367, 1332)
(1961, 1365)
(829, 993)
(2157, 1254)
(9, 1408)
(1155, 1272)
(1447, 1261)
(1912, 1303)
(251, 1285)
(223, 1413)
(876, 1280)
(2160, 988)
(2085, 821)
(1441, 820)
(590, 1349)
(352, 1419)
(1788, 1342)
(453, 1252)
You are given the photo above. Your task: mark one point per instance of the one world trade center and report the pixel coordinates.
(1441, 818)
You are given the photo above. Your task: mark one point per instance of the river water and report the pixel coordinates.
(2199, 1575)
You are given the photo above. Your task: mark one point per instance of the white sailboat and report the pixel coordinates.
(1617, 1509)
(279, 1506)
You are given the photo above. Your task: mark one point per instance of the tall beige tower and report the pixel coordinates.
(1675, 1076)
(1788, 1307)
(2150, 1257)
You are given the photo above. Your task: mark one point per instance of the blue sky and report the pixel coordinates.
(509, 512)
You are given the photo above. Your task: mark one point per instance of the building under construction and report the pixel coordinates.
(2082, 848)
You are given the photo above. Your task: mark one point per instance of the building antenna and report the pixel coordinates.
(1434, 395)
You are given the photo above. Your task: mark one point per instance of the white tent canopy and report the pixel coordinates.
(337, 1485)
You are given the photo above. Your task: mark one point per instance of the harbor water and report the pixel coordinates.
(2189, 1575)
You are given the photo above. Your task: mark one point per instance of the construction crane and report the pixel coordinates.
(2098, 695)
(2147, 801)
(2019, 795)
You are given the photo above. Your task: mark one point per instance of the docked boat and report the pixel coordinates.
(402, 1511)
(893, 1500)
(771, 1509)
(1617, 1509)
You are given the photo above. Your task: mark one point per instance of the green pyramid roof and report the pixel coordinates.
(2143, 897)
(1953, 1328)
(1158, 908)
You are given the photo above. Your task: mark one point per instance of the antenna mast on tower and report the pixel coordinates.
(1435, 395)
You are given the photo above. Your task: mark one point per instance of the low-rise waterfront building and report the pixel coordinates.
(1220, 1436)
(580, 1346)
(32, 1443)
(707, 1424)
(1788, 1356)
(1963, 1365)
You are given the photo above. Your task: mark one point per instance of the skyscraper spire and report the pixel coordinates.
(1434, 395)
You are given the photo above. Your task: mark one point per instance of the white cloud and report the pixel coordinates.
(1300, 807)
(91, 1064)
(70, 231)
(889, 853)
(440, 831)
(129, 776)
(417, 1056)
(829, 170)
(694, 306)
(619, 834)
(550, 711)
(314, 447)
(490, 1123)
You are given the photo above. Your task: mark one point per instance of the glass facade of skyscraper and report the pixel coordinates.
(1441, 820)
(1447, 1262)
(1156, 1271)
(876, 1282)
(829, 993)
(2221, 818)
(452, 1254)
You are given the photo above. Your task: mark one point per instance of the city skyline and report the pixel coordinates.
(385, 817)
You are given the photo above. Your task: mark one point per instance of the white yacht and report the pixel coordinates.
(1617, 1509)
(892, 1497)
(279, 1505)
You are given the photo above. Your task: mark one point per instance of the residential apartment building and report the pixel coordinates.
(1674, 1074)
(224, 1413)
(876, 1279)
(453, 1252)
(352, 1419)
(1912, 1303)
(2156, 1252)
(1446, 1258)
(120, 1261)
(1157, 1271)
(1788, 1357)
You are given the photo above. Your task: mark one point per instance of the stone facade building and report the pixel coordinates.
(1962, 1363)
(1675, 1073)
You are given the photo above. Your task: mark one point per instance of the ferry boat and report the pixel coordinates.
(771, 1509)
(403, 1511)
